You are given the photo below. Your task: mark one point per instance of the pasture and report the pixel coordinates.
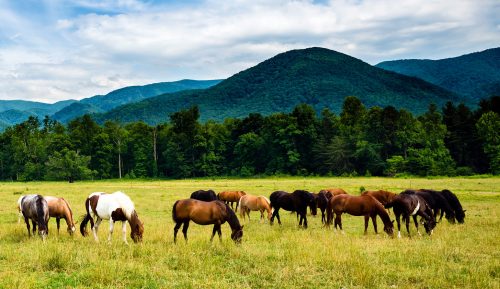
(456, 256)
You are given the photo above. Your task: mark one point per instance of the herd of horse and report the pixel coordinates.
(208, 208)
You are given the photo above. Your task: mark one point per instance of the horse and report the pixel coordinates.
(298, 201)
(205, 213)
(322, 199)
(231, 197)
(382, 196)
(113, 207)
(364, 205)
(206, 196)
(35, 208)
(437, 203)
(455, 205)
(59, 208)
(411, 204)
(255, 203)
(334, 191)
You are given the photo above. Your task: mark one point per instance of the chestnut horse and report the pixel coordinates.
(60, 209)
(35, 208)
(113, 207)
(334, 191)
(410, 204)
(382, 196)
(231, 197)
(364, 205)
(205, 213)
(255, 203)
(298, 201)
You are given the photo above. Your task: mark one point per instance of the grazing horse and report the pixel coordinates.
(113, 207)
(206, 196)
(255, 203)
(364, 205)
(35, 208)
(322, 199)
(382, 196)
(60, 209)
(205, 213)
(411, 204)
(436, 202)
(455, 205)
(298, 201)
(231, 197)
(334, 191)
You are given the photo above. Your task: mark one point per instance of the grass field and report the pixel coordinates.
(456, 256)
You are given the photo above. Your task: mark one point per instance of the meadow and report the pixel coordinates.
(456, 256)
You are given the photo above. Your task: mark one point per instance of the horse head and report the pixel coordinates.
(460, 216)
(237, 234)
(137, 232)
(429, 225)
(389, 228)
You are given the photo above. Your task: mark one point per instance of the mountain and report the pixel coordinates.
(33, 106)
(103, 103)
(475, 75)
(317, 76)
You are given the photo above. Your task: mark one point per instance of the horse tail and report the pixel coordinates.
(174, 215)
(41, 213)
(86, 219)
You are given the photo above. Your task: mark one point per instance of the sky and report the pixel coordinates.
(52, 50)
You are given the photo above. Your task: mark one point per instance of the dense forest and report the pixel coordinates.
(453, 140)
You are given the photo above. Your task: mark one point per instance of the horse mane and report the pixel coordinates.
(232, 220)
(67, 204)
(39, 202)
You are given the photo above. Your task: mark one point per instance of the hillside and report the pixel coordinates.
(317, 76)
(475, 75)
(23, 105)
(103, 103)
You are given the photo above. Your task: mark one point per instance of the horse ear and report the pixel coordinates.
(464, 211)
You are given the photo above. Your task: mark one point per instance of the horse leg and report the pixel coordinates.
(407, 220)
(28, 225)
(176, 229)
(399, 224)
(214, 230)
(304, 216)
(58, 222)
(374, 221)
(111, 227)
(276, 214)
(220, 233)
(366, 223)
(416, 224)
(185, 230)
(124, 231)
(96, 227)
(237, 204)
(323, 219)
(34, 227)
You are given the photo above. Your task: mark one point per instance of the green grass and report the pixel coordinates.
(456, 256)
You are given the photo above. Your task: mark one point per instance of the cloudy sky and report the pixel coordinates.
(52, 50)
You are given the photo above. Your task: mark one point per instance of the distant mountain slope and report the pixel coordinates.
(24, 105)
(317, 76)
(103, 103)
(475, 75)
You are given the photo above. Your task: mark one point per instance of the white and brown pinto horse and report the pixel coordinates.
(59, 208)
(35, 208)
(113, 207)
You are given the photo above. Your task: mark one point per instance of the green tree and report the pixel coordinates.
(68, 165)
(488, 127)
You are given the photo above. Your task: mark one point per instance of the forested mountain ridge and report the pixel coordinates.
(317, 76)
(475, 75)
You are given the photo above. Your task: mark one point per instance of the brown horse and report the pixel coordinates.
(231, 197)
(255, 203)
(382, 196)
(205, 213)
(60, 209)
(334, 191)
(365, 205)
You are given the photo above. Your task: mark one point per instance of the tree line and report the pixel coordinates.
(360, 141)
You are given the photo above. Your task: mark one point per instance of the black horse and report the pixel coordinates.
(322, 199)
(202, 195)
(411, 204)
(436, 202)
(298, 201)
(455, 205)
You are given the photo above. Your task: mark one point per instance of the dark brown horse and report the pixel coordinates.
(231, 197)
(411, 204)
(205, 213)
(298, 201)
(437, 202)
(206, 196)
(455, 205)
(364, 205)
(322, 199)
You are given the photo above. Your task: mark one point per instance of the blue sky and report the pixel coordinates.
(52, 50)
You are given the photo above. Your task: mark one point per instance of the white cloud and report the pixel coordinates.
(127, 42)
